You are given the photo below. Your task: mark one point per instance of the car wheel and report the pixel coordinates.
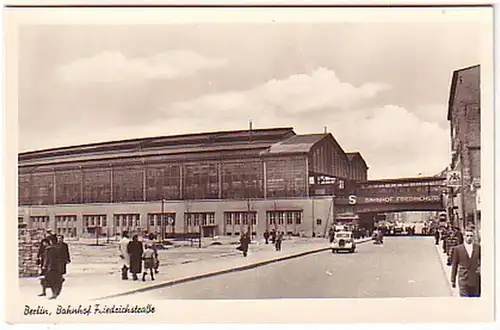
(333, 250)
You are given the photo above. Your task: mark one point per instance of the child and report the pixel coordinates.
(149, 257)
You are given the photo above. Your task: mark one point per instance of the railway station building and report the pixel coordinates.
(217, 183)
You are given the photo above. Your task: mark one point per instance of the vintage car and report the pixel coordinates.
(343, 241)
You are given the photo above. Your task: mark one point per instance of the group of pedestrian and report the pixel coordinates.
(464, 259)
(53, 256)
(274, 237)
(136, 255)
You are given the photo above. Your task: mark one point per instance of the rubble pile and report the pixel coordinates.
(29, 242)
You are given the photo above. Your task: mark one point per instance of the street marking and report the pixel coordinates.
(329, 274)
(411, 281)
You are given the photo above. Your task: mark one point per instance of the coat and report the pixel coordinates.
(467, 269)
(135, 251)
(123, 252)
(53, 266)
(244, 242)
(65, 257)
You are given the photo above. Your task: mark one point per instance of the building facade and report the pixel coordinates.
(220, 183)
(464, 115)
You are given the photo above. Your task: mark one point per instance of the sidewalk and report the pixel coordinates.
(443, 258)
(103, 283)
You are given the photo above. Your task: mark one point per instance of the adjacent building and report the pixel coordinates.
(464, 115)
(218, 183)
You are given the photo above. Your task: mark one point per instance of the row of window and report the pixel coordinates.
(229, 180)
(240, 218)
(280, 217)
(191, 219)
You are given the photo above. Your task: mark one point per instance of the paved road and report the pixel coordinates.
(402, 267)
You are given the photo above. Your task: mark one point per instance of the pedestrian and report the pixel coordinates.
(266, 236)
(41, 262)
(52, 267)
(466, 263)
(135, 251)
(244, 243)
(436, 236)
(279, 240)
(331, 234)
(149, 257)
(152, 237)
(124, 255)
(273, 236)
(65, 257)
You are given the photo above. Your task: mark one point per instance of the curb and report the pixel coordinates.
(191, 278)
(446, 271)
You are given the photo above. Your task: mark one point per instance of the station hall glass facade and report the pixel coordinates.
(220, 183)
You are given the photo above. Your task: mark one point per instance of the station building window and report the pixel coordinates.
(163, 182)
(69, 187)
(277, 220)
(95, 222)
(155, 221)
(42, 189)
(128, 221)
(40, 222)
(193, 220)
(237, 221)
(97, 186)
(201, 181)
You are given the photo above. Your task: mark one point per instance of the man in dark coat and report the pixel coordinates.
(466, 263)
(273, 236)
(135, 250)
(436, 236)
(244, 243)
(266, 236)
(53, 267)
(65, 257)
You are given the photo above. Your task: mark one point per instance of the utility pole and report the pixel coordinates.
(199, 229)
(462, 190)
(162, 220)
(249, 219)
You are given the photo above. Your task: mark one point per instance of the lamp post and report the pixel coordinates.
(162, 219)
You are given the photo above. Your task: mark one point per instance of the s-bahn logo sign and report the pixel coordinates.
(353, 199)
(453, 179)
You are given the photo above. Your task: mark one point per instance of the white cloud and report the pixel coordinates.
(296, 94)
(112, 67)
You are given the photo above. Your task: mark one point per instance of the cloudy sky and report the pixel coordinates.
(380, 88)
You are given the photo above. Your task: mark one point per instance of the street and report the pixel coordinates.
(402, 267)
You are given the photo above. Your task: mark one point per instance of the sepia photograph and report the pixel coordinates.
(248, 158)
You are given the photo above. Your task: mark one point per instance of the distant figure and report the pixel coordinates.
(466, 263)
(149, 257)
(152, 238)
(124, 255)
(266, 236)
(273, 236)
(65, 257)
(436, 236)
(135, 251)
(331, 234)
(244, 243)
(279, 240)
